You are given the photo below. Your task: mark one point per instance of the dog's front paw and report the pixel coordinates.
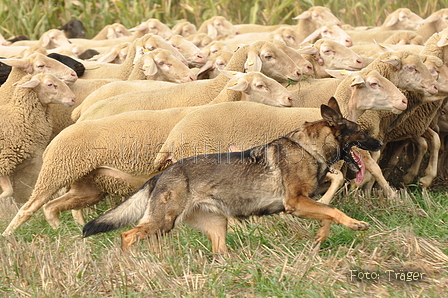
(356, 225)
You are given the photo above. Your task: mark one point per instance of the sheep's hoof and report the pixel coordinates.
(408, 178)
(426, 181)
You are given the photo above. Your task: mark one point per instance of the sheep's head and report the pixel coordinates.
(409, 72)
(39, 63)
(49, 89)
(265, 57)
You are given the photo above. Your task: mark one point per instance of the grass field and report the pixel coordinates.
(404, 253)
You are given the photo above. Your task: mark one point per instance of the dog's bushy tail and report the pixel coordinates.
(130, 210)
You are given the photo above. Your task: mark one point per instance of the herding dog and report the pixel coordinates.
(206, 190)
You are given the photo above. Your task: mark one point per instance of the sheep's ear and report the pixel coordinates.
(383, 47)
(312, 37)
(357, 81)
(232, 74)
(443, 41)
(211, 31)
(240, 85)
(340, 74)
(432, 18)
(308, 50)
(108, 57)
(20, 63)
(45, 40)
(206, 67)
(302, 16)
(394, 61)
(253, 62)
(149, 67)
(393, 20)
(110, 33)
(30, 84)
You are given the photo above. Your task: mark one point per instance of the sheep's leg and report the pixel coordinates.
(337, 179)
(442, 155)
(422, 147)
(6, 185)
(394, 159)
(213, 225)
(373, 167)
(82, 193)
(431, 169)
(27, 210)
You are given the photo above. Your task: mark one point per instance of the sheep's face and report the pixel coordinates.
(336, 56)
(273, 62)
(164, 66)
(439, 72)
(411, 74)
(403, 19)
(319, 15)
(374, 92)
(257, 87)
(333, 32)
(223, 27)
(50, 89)
(39, 63)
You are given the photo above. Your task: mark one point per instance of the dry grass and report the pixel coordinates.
(269, 256)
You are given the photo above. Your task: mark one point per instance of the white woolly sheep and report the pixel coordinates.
(25, 125)
(158, 65)
(149, 42)
(214, 47)
(115, 54)
(328, 54)
(245, 124)
(154, 26)
(216, 62)
(33, 64)
(184, 28)
(436, 22)
(217, 26)
(109, 136)
(404, 38)
(417, 124)
(112, 31)
(200, 39)
(308, 22)
(50, 39)
(192, 53)
(400, 19)
(261, 56)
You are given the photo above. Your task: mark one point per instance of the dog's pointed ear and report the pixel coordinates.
(331, 113)
(333, 103)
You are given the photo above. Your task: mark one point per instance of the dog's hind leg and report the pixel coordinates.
(163, 209)
(305, 207)
(213, 225)
(81, 194)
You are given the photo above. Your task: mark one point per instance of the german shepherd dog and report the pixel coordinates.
(204, 191)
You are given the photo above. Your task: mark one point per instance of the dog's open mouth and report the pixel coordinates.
(356, 165)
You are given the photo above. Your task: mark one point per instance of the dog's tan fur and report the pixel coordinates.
(204, 191)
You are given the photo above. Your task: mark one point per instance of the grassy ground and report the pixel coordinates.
(405, 252)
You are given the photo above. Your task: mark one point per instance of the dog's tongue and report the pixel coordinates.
(362, 169)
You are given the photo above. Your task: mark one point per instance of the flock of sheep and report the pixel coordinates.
(116, 109)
